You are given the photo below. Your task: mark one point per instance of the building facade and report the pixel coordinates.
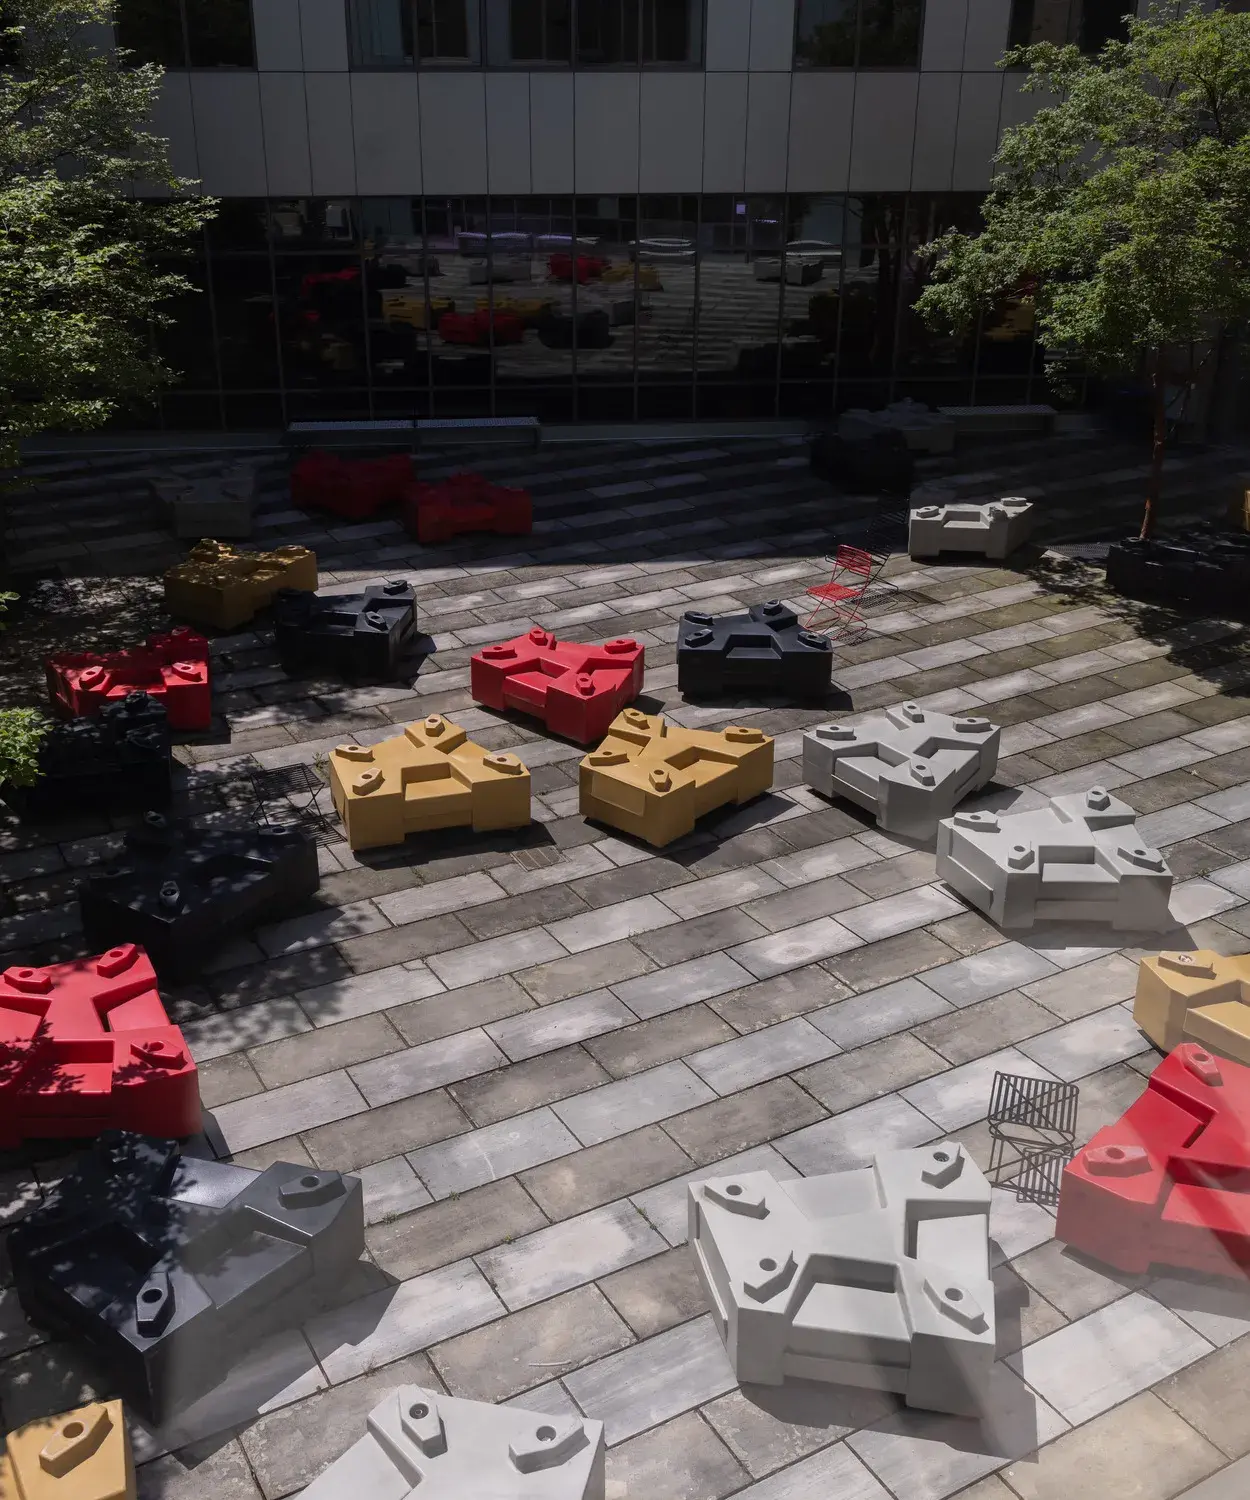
(631, 209)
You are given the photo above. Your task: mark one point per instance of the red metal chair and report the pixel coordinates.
(842, 598)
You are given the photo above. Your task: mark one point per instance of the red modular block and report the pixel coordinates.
(588, 267)
(465, 502)
(86, 1047)
(353, 488)
(475, 328)
(172, 667)
(1169, 1183)
(576, 690)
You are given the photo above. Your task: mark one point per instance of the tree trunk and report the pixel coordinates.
(1154, 489)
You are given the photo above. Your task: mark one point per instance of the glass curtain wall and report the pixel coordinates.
(614, 308)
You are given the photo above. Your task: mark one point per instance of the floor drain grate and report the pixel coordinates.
(538, 859)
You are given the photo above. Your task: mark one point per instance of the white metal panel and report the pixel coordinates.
(937, 116)
(725, 133)
(173, 119)
(772, 35)
(508, 132)
(672, 133)
(323, 31)
(979, 103)
(884, 132)
(942, 47)
(768, 131)
(551, 132)
(276, 28)
(228, 134)
(453, 132)
(330, 136)
(284, 118)
(821, 108)
(606, 132)
(986, 39)
(386, 127)
(728, 45)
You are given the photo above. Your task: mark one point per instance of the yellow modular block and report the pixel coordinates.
(648, 277)
(528, 309)
(221, 588)
(80, 1455)
(431, 776)
(413, 309)
(1196, 997)
(654, 779)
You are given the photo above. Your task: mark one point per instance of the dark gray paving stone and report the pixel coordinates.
(527, 1085)
(657, 1294)
(726, 1126)
(453, 1229)
(601, 1174)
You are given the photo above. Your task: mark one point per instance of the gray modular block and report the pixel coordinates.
(1078, 860)
(994, 530)
(924, 431)
(448, 1449)
(909, 767)
(877, 1278)
(220, 507)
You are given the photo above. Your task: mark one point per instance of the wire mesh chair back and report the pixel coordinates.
(1032, 1124)
(840, 601)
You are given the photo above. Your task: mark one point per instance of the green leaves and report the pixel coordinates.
(22, 731)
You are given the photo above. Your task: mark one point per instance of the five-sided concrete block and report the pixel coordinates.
(991, 531)
(431, 776)
(1077, 860)
(909, 766)
(877, 1278)
(445, 1448)
(222, 588)
(80, 1455)
(654, 779)
(1196, 997)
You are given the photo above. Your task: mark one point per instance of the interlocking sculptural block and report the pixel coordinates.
(354, 488)
(444, 1448)
(909, 766)
(923, 431)
(655, 780)
(222, 588)
(1166, 1185)
(116, 762)
(172, 667)
(462, 504)
(763, 651)
(1201, 997)
(171, 1268)
(877, 1278)
(184, 894)
(1207, 566)
(80, 1455)
(87, 1046)
(431, 776)
(360, 635)
(575, 690)
(1078, 860)
(218, 507)
(991, 531)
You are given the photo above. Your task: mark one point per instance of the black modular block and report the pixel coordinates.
(880, 464)
(358, 635)
(171, 1268)
(116, 762)
(765, 651)
(183, 895)
(1210, 568)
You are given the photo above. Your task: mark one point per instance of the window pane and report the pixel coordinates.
(607, 32)
(399, 310)
(313, 223)
(889, 34)
(612, 304)
(826, 34)
(321, 320)
(380, 33)
(873, 252)
(739, 306)
(246, 331)
(152, 29)
(219, 34)
(666, 252)
(810, 274)
(1103, 21)
(186, 344)
(1040, 21)
(447, 31)
(671, 32)
(540, 30)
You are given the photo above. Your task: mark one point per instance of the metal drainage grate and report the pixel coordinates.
(541, 857)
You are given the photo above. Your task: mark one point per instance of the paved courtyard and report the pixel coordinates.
(527, 1045)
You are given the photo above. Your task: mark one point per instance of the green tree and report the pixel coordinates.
(89, 205)
(1123, 206)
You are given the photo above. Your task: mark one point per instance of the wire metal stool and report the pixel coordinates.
(1032, 1125)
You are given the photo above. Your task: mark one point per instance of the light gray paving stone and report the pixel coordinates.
(456, 894)
(1103, 1359)
(494, 1151)
(1154, 760)
(391, 1188)
(569, 1254)
(834, 1471)
(401, 1319)
(1195, 900)
(1086, 1046)
(1069, 722)
(853, 1138)
(768, 1428)
(1015, 1227)
(1076, 992)
(958, 1097)
(1219, 739)
(981, 976)
(495, 956)
(1101, 773)
(363, 994)
(1235, 878)
(277, 1113)
(429, 1065)
(731, 1066)
(1009, 685)
(559, 1025)
(880, 1012)
(331, 925)
(607, 924)
(794, 947)
(719, 891)
(655, 1380)
(1218, 1309)
(665, 1206)
(233, 1030)
(616, 1108)
(576, 864)
(891, 915)
(1187, 820)
(682, 984)
(825, 859)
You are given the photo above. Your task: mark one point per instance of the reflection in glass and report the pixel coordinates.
(380, 33)
(889, 33)
(219, 34)
(246, 327)
(320, 300)
(152, 30)
(1091, 24)
(539, 31)
(826, 34)
(666, 260)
